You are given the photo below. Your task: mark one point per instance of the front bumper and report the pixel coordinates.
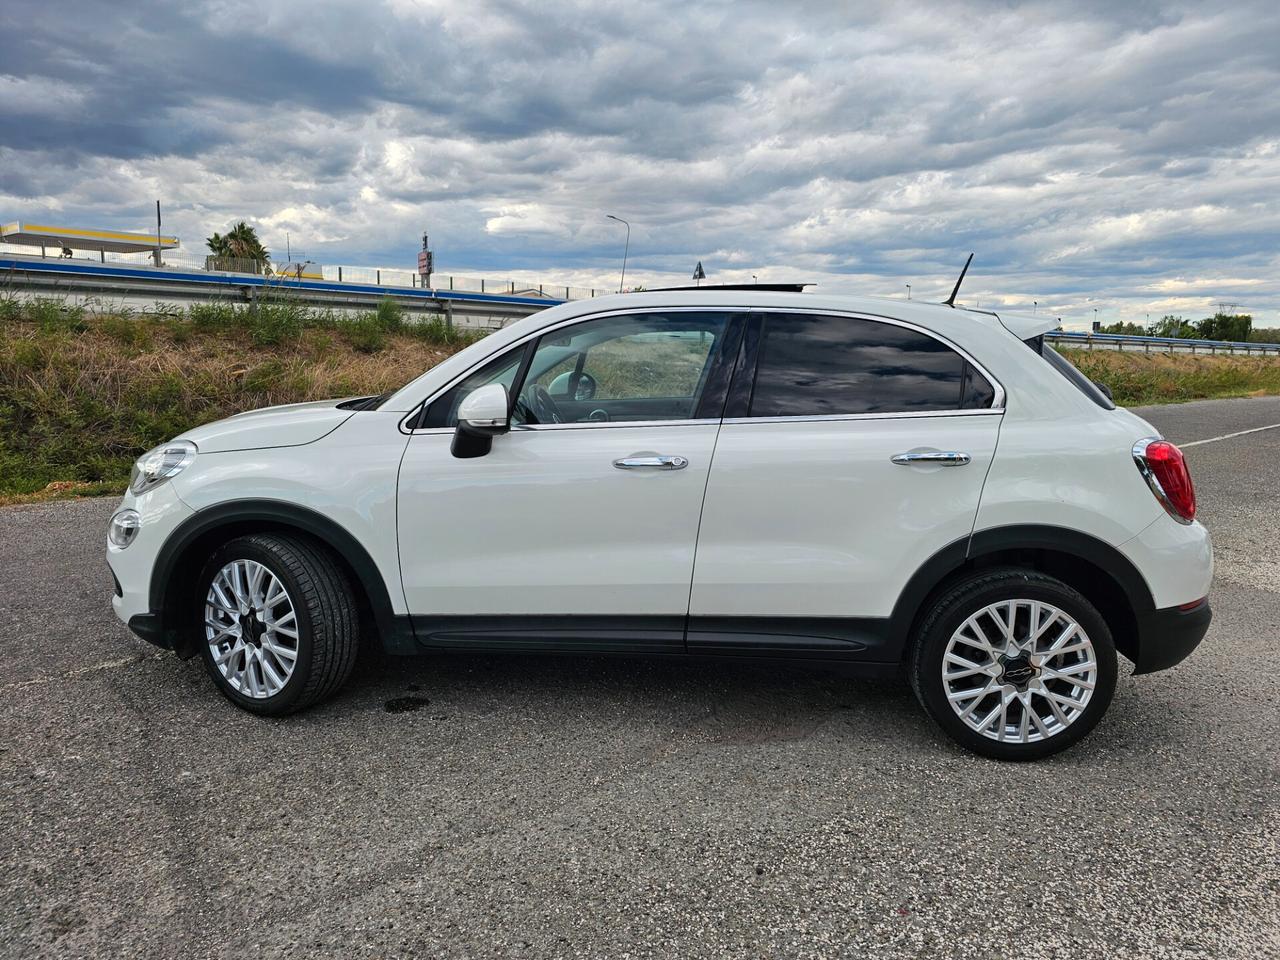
(150, 627)
(162, 512)
(1167, 637)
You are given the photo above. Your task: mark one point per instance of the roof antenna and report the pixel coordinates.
(951, 300)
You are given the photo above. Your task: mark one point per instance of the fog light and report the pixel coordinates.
(124, 528)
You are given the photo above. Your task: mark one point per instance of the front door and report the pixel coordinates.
(578, 526)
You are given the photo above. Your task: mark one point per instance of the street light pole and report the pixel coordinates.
(908, 291)
(625, 250)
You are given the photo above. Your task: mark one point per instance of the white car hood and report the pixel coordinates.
(288, 426)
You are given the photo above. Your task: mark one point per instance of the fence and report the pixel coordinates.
(1121, 343)
(381, 276)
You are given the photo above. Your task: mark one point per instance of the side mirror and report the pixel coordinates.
(482, 415)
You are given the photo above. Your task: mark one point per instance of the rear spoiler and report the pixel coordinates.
(1028, 326)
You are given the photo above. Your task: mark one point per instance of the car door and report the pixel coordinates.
(578, 527)
(852, 450)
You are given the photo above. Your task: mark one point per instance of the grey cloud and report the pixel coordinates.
(1087, 150)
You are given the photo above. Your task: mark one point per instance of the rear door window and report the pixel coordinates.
(814, 365)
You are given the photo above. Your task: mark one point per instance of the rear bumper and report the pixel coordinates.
(1167, 637)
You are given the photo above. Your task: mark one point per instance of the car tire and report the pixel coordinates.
(279, 624)
(1008, 694)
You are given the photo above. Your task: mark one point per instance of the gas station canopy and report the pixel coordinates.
(77, 238)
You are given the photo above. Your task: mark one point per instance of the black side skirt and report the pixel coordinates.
(856, 639)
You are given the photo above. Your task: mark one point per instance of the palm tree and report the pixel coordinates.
(239, 243)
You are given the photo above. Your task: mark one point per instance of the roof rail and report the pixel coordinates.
(767, 287)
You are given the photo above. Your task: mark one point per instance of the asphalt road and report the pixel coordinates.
(477, 807)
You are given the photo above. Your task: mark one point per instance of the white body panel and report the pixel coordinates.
(811, 517)
(348, 476)
(546, 524)
(161, 512)
(291, 425)
(1175, 559)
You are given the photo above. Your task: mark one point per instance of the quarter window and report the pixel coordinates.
(812, 365)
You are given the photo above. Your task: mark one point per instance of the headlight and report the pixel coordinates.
(124, 527)
(156, 466)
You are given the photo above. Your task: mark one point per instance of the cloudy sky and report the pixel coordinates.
(1123, 155)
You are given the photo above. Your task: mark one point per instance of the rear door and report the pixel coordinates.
(852, 450)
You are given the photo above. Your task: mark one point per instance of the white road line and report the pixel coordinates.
(81, 671)
(1228, 436)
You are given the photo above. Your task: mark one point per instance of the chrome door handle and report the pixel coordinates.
(944, 458)
(651, 463)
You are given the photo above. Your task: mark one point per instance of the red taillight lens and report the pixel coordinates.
(1166, 473)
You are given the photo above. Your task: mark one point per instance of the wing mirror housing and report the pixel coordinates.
(484, 413)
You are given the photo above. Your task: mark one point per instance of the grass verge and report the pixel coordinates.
(1137, 379)
(83, 394)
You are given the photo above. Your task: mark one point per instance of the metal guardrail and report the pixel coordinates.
(1135, 344)
(378, 276)
(112, 286)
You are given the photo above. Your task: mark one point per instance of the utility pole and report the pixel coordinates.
(625, 250)
(158, 241)
(908, 291)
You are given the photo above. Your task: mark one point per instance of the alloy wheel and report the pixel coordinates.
(1019, 671)
(251, 627)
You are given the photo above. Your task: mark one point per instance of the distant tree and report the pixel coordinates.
(1235, 327)
(1127, 329)
(1171, 326)
(1265, 335)
(239, 243)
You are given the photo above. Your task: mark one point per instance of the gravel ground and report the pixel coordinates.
(476, 806)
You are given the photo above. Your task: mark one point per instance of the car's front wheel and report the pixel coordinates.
(1014, 664)
(280, 627)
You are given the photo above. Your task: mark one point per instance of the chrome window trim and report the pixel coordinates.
(895, 415)
(997, 401)
(596, 424)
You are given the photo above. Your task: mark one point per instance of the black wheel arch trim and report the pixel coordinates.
(277, 513)
(961, 553)
(1101, 554)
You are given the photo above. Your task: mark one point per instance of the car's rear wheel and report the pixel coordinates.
(279, 624)
(1014, 664)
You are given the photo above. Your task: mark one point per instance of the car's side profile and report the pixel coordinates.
(882, 485)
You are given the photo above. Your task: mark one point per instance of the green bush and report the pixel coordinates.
(366, 333)
(389, 315)
(212, 316)
(54, 316)
(131, 331)
(275, 321)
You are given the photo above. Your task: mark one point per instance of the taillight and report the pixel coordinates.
(1163, 467)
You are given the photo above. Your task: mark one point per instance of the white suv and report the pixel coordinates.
(881, 485)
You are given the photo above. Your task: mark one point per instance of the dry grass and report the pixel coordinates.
(1137, 378)
(82, 397)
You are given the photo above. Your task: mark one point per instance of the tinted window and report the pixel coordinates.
(821, 366)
